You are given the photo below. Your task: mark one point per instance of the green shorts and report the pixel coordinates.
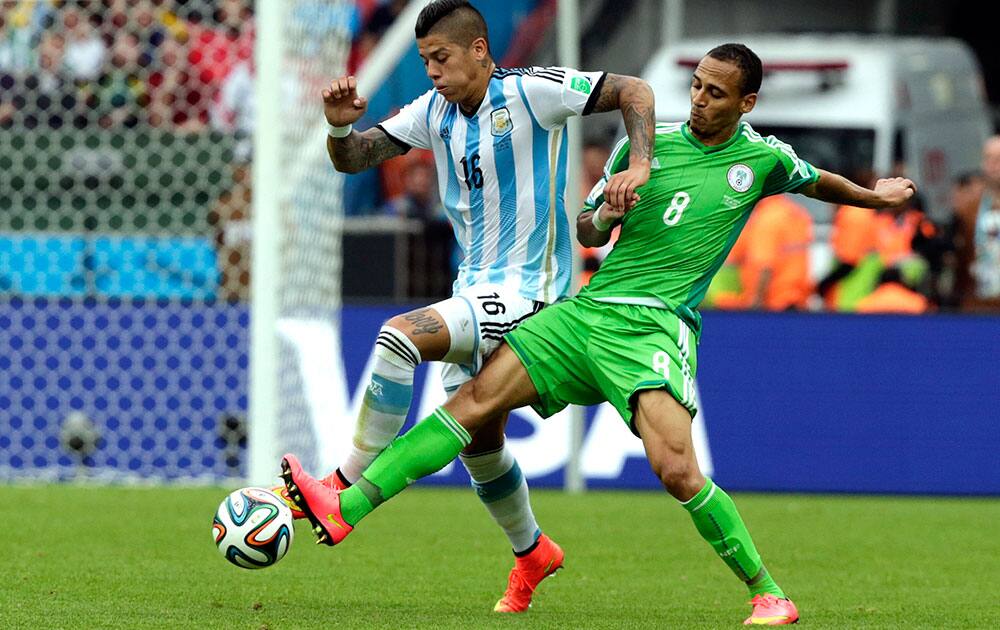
(585, 352)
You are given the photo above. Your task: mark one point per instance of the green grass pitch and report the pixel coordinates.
(98, 557)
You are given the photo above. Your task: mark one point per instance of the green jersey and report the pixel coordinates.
(692, 209)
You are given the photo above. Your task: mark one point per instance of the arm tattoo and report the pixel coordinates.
(635, 98)
(422, 322)
(639, 123)
(361, 150)
(607, 100)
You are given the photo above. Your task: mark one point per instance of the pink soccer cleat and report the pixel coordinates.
(333, 480)
(318, 502)
(527, 574)
(770, 610)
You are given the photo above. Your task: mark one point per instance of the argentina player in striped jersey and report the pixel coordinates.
(500, 149)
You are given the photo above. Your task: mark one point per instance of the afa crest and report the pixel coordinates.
(500, 122)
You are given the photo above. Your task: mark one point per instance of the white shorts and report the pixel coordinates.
(477, 318)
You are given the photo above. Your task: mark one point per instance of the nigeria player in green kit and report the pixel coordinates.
(630, 337)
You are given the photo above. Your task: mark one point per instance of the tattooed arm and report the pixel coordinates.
(634, 98)
(361, 150)
(343, 106)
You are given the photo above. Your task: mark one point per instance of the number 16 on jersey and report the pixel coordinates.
(473, 176)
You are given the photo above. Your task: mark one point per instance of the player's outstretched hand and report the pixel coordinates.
(895, 191)
(620, 193)
(341, 102)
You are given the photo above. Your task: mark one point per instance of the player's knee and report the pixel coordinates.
(473, 406)
(395, 346)
(425, 330)
(398, 326)
(488, 400)
(680, 476)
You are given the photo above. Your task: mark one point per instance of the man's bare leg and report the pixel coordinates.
(665, 427)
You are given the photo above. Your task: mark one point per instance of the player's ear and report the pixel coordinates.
(480, 49)
(747, 103)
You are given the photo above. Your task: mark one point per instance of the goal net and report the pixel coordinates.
(127, 212)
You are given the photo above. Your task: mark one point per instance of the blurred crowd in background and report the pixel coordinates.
(165, 63)
(169, 64)
(124, 62)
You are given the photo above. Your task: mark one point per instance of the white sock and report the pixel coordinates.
(386, 403)
(503, 490)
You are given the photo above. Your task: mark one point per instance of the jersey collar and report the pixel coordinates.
(710, 149)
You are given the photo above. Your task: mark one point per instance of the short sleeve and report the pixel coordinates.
(616, 163)
(555, 93)
(790, 173)
(409, 128)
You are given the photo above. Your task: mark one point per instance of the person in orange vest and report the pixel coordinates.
(893, 296)
(865, 243)
(772, 255)
(896, 228)
(853, 244)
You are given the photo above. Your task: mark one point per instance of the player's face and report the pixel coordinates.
(716, 102)
(455, 69)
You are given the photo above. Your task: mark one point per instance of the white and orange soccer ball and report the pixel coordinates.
(253, 528)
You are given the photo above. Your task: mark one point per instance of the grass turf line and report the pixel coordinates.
(97, 557)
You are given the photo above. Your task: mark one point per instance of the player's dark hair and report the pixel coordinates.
(462, 22)
(746, 60)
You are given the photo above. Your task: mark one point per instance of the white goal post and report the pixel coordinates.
(279, 178)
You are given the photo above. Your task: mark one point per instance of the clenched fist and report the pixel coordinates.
(341, 103)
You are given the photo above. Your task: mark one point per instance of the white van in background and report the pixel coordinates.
(851, 103)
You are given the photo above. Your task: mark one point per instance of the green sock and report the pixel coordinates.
(425, 449)
(715, 516)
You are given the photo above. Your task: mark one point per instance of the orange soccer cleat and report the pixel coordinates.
(770, 610)
(333, 481)
(318, 502)
(527, 574)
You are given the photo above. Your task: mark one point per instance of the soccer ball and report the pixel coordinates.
(253, 528)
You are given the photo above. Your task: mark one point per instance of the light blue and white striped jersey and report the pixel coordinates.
(502, 174)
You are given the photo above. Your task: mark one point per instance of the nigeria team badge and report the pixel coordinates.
(740, 177)
(500, 122)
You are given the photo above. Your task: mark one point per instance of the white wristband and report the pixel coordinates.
(340, 132)
(596, 220)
